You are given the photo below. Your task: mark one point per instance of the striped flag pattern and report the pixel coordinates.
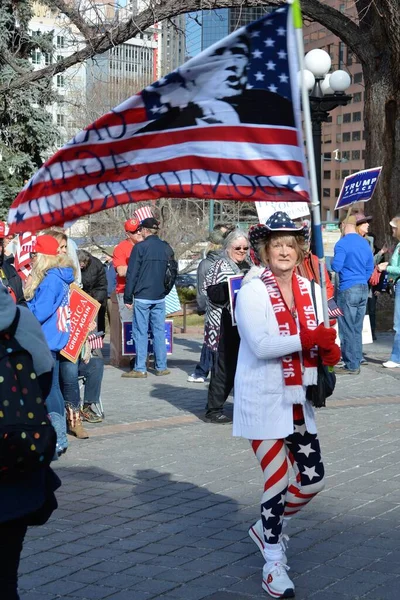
(22, 259)
(95, 341)
(225, 125)
(144, 212)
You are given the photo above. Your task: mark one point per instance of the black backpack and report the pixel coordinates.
(27, 437)
(170, 274)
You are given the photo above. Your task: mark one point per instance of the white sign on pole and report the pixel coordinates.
(295, 210)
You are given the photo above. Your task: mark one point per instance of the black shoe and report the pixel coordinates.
(218, 418)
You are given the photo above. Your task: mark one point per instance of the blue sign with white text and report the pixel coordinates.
(128, 345)
(358, 187)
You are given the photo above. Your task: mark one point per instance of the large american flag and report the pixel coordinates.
(224, 125)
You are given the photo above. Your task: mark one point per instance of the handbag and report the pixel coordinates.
(326, 379)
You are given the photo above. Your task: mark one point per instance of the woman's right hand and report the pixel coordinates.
(323, 337)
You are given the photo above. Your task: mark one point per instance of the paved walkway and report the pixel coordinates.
(156, 504)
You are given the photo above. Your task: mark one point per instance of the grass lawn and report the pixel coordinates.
(193, 320)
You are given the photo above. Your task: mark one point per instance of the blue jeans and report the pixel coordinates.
(69, 383)
(395, 356)
(154, 315)
(93, 372)
(205, 364)
(353, 302)
(55, 405)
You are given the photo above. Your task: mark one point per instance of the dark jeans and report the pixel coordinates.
(223, 373)
(12, 534)
(93, 372)
(371, 309)
(353, 303)
(204, 365)
(69, 382)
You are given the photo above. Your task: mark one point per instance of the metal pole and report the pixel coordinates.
(210, 215)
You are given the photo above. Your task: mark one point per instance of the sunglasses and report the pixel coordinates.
(244, 248)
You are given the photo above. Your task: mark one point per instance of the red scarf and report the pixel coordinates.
(292, 367)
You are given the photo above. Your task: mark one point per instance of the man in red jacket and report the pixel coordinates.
(121, 256)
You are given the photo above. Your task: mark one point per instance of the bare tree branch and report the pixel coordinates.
(115, 34)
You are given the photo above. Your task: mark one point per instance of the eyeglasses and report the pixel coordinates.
(244, 248)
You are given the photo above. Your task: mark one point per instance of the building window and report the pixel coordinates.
(341, 54)
(357, 97)
(346, 155)
(356, 136)
(355, 155)
(328, 138)
(327, 156)
(347, 118)
(36, 57)
(48, 59)
(356, 116)
(349, 60)
(345, 173)
(338, 137)
(346, 136)
(337, 192)
(339, 119)
(326, 192)
(60, 120)
(60, 41)
(327, 174)
(59, 57)
(358, 78)
(60, 81)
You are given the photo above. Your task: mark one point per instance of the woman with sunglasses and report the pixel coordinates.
(220, 336)
(48, 298)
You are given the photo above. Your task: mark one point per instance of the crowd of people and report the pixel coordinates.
(268, 348)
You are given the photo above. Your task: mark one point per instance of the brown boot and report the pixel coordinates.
(75, 426)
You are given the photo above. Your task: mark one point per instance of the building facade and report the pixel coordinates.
(343, 137)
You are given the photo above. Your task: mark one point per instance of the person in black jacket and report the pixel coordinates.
(9, 277)
(29, 500)
(94, 283)
(145, 280)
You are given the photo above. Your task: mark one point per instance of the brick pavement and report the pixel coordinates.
(156, 504)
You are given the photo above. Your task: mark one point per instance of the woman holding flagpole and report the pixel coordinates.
(280, 341)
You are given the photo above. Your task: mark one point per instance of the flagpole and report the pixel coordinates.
(315, 202)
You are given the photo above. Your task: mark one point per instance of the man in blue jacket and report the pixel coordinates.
(145, 280)
(354, 262)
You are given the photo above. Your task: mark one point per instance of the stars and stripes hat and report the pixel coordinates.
(278, 222)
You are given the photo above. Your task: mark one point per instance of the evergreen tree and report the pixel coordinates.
(26, 127)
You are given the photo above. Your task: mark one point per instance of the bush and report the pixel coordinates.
(186, 295)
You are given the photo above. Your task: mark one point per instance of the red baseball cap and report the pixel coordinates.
(132, 225)
(46, 244)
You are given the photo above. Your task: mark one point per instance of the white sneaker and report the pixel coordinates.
(390, 364)
(257, 535)
(276, 582)
(193, 379)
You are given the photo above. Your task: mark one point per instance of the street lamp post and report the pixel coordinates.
(326, 92)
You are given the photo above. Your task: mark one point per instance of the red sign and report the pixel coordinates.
(83, 310)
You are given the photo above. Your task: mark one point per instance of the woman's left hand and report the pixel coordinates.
(331, 357)
(382, 266)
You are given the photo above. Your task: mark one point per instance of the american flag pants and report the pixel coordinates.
(302, 451)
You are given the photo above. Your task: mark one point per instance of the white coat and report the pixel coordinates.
(261, 411)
